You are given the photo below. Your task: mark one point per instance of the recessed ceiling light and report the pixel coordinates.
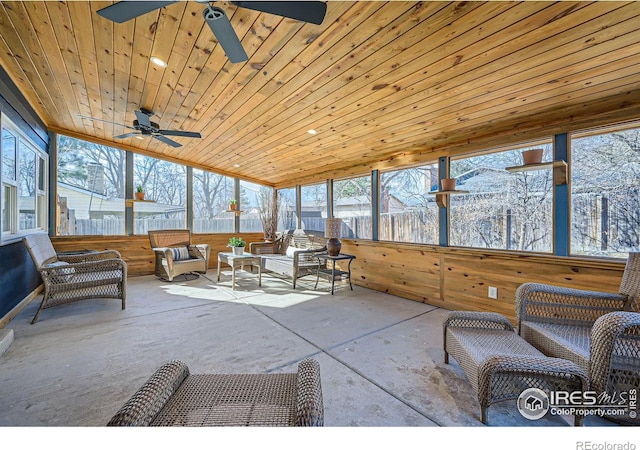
(158, 62)
(139, 137)
(312, 132)
(236, 165)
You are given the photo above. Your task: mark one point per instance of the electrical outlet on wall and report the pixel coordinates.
(493, 292)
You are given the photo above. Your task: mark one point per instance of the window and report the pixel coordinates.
(251, 207)
(605, 202)
(41, 193)
(27, 167)
(352, 203)
(287, 209)
(503, 210)
(408, 213)
(211, 195)
(314, 207)
(165, 188)
(9, 181)
(90, 185)
(24, 187)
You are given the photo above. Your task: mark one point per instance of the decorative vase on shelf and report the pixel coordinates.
(532, 156)
(448, 184)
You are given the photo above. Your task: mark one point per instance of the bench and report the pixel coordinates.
(292, 255)
(499, 364)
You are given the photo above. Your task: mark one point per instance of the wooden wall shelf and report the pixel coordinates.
(442, 196)
(559, 170)
(130, 201)
(455, 191)
(236, 211)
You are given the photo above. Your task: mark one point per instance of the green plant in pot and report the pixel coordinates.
(232, 205)
(237, 244)
(139, 192)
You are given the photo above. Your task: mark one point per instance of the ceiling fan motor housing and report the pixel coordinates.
(146, 130)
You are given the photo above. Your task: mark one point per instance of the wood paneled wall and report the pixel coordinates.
(452, 278)
(136, 251)
(456, 278)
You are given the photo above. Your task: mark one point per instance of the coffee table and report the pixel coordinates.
(236, 261)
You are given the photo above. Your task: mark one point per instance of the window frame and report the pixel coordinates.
(40, 173)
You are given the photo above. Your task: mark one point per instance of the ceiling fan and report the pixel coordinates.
(144, 127)
(304, 11)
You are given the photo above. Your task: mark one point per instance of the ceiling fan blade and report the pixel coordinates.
(126, 135)
(127, 10)
(312, 12)
(106, 121)
(166, 140)
(143, 119)
(191, 134)
(225, 34)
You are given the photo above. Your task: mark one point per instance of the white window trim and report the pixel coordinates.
(14, 234)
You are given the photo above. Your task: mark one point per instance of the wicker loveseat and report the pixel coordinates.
(176, 255)
(292, 255)
(71, 277)
(598, 331)
(174, 397)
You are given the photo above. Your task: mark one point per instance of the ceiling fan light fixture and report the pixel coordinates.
(158, 62)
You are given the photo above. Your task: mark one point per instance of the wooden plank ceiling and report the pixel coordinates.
(383, 83)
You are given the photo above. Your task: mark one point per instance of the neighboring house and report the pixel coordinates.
(76, 203)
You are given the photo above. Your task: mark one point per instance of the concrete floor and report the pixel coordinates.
(380, 356)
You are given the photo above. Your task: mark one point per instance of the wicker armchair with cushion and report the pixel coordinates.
(176, 255)
(174, 397)
(71, 277)
(598, 331)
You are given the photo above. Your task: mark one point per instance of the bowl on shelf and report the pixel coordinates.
(532, 156)
(448, 184)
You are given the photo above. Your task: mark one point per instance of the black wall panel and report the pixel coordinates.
(18, 276)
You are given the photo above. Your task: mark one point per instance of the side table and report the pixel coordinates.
(333, 271)
(239, 261)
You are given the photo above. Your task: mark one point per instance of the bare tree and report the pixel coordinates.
(268, 204)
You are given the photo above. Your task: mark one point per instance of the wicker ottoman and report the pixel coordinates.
(499, 364)
(175, 397)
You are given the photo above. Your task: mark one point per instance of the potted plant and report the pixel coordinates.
(533, 156)
(448, 184)
(237, 244)
(232, 205)
(139, 192)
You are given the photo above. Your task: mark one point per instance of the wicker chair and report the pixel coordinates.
(167, 244)
(500, 365)
(598, 331)
(71, 277)
(174, 397)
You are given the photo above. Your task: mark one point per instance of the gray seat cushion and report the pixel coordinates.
(560, 340)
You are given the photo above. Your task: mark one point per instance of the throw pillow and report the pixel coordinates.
(292, 251)
(180, 253)
(63, 274)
